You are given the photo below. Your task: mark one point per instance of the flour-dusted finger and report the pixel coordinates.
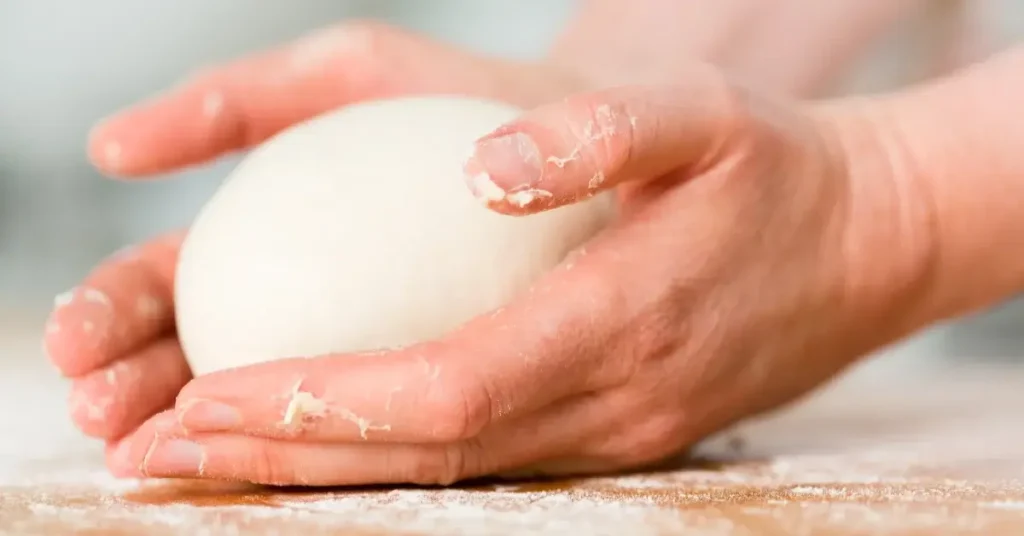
(547, 345)
(235, 106)
(111, 401)
(571, 150)
(287, 463)
(124, 457)
(556, 433)
(123, 305)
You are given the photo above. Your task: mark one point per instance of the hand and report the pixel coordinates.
(741, 273)
(114, 334)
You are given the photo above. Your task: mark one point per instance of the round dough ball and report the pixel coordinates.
(355, 231)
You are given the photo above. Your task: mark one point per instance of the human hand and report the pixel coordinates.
(242, 104)
(741, 273)
(114, 334)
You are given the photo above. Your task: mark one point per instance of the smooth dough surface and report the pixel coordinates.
(355, 231)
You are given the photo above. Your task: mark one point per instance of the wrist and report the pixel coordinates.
(953, 148)
(965, 136)
(889, 248)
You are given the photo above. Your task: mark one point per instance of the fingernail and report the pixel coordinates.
(503, 162)
(174, 457)
(209, 416)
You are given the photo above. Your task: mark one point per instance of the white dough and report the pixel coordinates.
(355, 231)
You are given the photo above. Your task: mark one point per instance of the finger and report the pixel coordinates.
(124, 304)
(555, 434)
(124, 457)
(546, 346)
(110, 402)
(243, 103)
(560, 153)
(117, 459)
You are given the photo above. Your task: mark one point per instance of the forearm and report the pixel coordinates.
(791, 46)
(960, 140)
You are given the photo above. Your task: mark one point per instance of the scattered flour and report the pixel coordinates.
(951, 476)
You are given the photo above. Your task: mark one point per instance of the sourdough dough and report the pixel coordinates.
(355, 231)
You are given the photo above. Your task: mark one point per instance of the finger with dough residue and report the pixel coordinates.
(560, 432)
(574, 149)
(122, 306)
(112, 401)
(240, 104)
(546, 346)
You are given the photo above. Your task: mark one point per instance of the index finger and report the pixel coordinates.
(546, 346)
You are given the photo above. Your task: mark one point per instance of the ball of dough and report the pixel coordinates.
(355, 231)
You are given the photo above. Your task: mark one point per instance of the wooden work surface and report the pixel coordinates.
(899, 453)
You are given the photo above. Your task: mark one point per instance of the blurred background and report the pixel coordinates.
(64, 64)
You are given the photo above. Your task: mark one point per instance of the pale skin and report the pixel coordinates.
(763, 246)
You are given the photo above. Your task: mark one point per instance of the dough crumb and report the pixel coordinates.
(63, 299)
(95, 296)
(302, 404)
(485, 190)
(365, 425)
(593, 132)
(523, 198)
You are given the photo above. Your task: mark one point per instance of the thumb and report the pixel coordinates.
(561, 153)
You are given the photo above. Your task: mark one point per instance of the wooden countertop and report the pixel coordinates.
(907, 453)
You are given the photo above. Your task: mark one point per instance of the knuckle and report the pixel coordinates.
(443, 466)
(657, 337)
(265, 465)
(732, 103)
(460, 410)
(662, 331)
(427, 469)
(743, 129)
(651, 441)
